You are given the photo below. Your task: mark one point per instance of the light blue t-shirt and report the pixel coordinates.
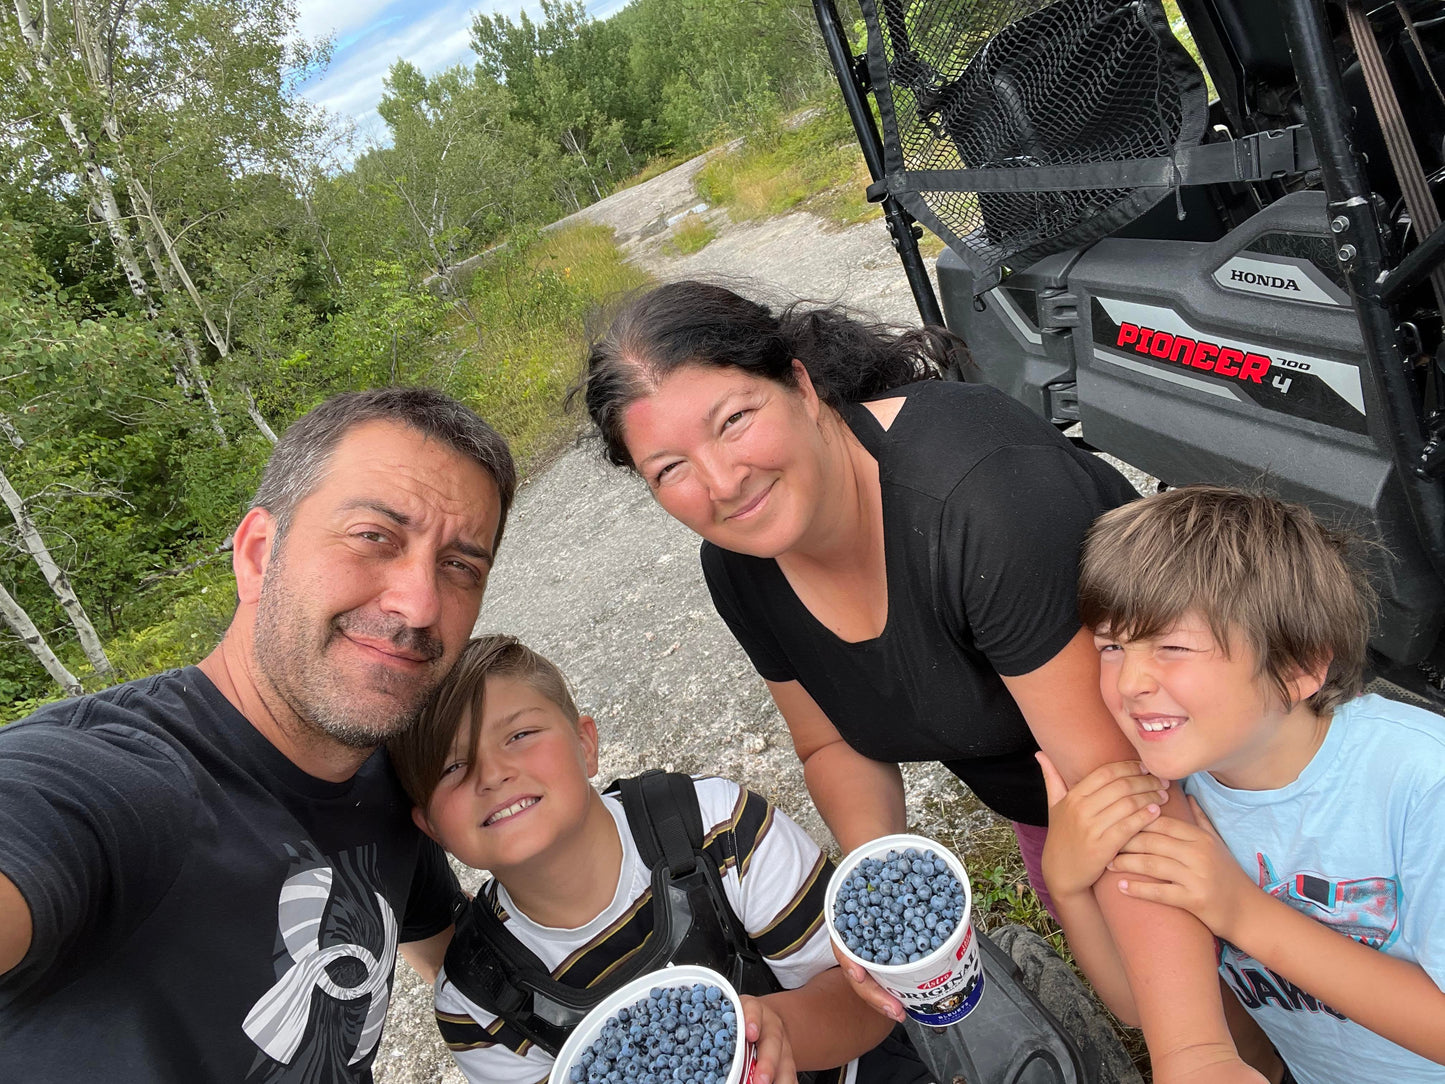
(1356, 842)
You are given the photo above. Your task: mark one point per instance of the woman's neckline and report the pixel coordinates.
(878, 423)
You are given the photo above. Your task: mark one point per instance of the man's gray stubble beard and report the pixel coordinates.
(327, 716)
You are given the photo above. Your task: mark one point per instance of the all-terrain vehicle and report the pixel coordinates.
(1215, 287)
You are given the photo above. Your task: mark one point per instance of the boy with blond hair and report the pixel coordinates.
(498, 768)
(1231, 631)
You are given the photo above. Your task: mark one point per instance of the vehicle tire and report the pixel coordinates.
(1059, 990)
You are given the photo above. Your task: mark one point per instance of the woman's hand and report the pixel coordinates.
(764, 1028)
(867, 990)
(1091, 821)
(1193, 868)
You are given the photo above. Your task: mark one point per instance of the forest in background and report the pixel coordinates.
(191, 256)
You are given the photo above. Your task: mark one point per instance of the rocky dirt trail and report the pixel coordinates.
(595, 576)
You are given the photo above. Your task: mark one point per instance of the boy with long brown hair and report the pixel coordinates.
(1231, 630)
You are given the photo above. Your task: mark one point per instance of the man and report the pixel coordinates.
(204, 875)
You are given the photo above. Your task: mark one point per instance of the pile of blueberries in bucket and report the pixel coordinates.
(897, 909)
(674, 1034)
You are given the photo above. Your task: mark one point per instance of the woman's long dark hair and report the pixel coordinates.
(698, 323)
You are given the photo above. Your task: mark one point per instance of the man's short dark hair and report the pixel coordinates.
(298, 462)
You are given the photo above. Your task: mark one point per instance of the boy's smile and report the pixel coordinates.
(1187, 705)
(526, 795)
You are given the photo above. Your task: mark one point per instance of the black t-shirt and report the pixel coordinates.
(203, 909)
(984, 510)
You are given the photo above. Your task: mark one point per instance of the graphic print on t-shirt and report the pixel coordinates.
(1366, 909)
(336, 948)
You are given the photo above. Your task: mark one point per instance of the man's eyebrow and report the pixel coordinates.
(472, 550)
(402, 519)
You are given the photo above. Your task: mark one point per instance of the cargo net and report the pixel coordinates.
(972, 85)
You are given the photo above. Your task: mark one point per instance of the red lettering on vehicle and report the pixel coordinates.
(1231, 361)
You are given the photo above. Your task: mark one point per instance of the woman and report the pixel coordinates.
(897, 556)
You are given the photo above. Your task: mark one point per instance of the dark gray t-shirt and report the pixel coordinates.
(203, 909)
(984, 510)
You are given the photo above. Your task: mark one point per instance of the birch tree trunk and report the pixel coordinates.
(57, 579)
(37, 38)
(16, 617)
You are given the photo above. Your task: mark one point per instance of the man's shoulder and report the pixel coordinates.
(156, 696)
(149, 710)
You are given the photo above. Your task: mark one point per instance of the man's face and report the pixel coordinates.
(368, 598)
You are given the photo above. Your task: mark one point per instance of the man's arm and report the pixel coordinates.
(426, 956)
(1167, 955)
(15, 925)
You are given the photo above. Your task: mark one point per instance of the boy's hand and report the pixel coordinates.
(1089, 823)
(867, 988)
(764, 1028)
(1194, 869)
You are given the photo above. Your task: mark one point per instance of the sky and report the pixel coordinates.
(369, 35)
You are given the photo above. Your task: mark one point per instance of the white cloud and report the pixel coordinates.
(353, 84)
(371, 35)
(319, 18)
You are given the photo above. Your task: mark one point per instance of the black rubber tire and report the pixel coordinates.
(1059, 990)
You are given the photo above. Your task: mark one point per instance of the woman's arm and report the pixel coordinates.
(1170, 963)
(859, 799)
(15, 925)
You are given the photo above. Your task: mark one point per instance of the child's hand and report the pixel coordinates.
(1194, 870)
(867, 988)
(774, 1054)
(1088, 824)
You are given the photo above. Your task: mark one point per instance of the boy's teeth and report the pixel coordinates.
(511, 810)
(1154, 725)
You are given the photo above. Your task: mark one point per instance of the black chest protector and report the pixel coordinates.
(692, 923)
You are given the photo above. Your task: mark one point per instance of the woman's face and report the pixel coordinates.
(736, 457)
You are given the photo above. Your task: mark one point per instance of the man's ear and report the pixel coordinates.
(251, 552)
(418, 818)
(587, 732)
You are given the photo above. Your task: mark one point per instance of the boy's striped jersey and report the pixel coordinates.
(775, 879)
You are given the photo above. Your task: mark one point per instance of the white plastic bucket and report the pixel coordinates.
(942, 987)
(672, 976)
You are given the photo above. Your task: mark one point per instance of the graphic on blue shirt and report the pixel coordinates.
(1366, 909)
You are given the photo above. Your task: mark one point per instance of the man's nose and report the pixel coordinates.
(412, 590)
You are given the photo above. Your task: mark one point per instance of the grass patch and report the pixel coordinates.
(653, 168)
(780, 168)
(515, 359)
(691, 235)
